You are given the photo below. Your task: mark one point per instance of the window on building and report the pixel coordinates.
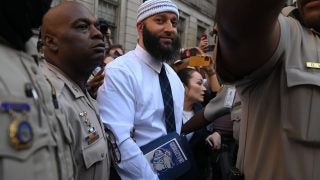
(108, 10)
(182, 30)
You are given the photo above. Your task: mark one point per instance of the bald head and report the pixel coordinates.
(55, 19)
(71, 39)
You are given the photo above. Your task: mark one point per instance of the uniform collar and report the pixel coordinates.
(64, 80)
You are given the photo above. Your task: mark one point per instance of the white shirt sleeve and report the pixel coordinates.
(117, 109)
(137, 167)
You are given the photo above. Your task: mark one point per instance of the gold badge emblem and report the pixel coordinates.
(20, 134)
(20, 130)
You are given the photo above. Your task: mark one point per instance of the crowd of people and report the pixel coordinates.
(243, 107)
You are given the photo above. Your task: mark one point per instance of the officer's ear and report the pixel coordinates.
(50, 42)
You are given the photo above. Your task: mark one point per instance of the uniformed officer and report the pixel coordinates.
(35, 141)
(276, 71)
(73, 47)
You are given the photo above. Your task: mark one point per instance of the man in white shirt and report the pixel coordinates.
(131, 97)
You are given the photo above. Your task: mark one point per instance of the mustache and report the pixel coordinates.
(171, 36)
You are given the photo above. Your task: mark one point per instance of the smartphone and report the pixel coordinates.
(209, 142)
(188, 53)
(193, 51)
(209, 48)
(96, 70)
(204, 36)
(199, 60)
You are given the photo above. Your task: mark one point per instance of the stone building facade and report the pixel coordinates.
(196, 17)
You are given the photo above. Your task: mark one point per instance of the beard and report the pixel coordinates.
(157, 50)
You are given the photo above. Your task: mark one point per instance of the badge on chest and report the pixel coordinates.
(20, 131)
(92, 133)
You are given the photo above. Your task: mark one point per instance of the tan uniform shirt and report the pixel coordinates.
(226, 102)
(221, 104)
(279, 136)
(33, 143)
(236, 117)
(91, 147)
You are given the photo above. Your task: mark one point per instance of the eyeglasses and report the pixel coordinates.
(116, 155)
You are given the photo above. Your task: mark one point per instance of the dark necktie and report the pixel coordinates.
(167, 100)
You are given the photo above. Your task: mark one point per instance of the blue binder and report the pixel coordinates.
(169, 156)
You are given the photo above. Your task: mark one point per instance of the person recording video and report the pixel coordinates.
(106, 31)
(208, 41)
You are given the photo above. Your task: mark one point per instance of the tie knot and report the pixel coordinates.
(163, 70)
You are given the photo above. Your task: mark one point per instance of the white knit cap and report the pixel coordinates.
(152, 7)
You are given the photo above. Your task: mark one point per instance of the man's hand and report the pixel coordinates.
(203, 44)
(211, 69)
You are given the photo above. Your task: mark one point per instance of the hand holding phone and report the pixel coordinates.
(204, 36)
(209, 48)
(96, 70)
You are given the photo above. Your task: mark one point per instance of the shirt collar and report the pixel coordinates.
(146, 57)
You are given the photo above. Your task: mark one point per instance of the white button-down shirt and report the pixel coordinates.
(131, 98)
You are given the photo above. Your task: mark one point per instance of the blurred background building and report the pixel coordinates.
(196, 18)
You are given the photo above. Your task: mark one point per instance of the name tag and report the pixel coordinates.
(313, 65)
(228, 101)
